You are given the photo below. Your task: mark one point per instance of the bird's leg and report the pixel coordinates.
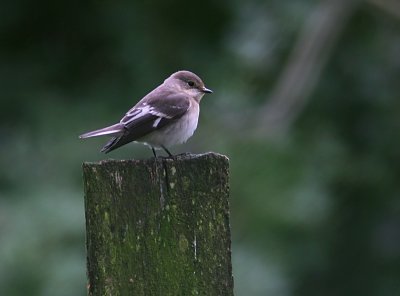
(166, 150)
(154, 152)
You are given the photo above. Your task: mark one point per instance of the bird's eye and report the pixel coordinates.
(191, 83)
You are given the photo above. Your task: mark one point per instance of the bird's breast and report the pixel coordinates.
(176, 132)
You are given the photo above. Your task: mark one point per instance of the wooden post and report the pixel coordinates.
(158, 227)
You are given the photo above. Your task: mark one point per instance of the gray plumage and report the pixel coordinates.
(167, 116)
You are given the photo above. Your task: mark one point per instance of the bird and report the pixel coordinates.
(165, 117)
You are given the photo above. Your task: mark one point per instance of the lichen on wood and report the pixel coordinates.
(158, 226)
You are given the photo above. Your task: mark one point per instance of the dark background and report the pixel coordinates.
(306, 105)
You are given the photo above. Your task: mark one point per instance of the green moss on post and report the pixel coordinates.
(158, 227)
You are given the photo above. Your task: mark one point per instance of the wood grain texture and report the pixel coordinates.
(158, 227)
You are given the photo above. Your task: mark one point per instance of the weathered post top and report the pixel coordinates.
(158, 226)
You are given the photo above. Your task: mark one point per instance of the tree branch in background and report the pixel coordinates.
(390, 6)
(309, 56)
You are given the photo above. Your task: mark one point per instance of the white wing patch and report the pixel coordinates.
(139, 112)
(134, 114)
(156, 122)
(153, 111)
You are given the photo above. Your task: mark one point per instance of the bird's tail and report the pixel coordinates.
(109, 130)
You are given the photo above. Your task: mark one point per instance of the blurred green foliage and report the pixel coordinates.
(315, 210)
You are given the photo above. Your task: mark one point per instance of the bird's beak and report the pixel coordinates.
(206, 90)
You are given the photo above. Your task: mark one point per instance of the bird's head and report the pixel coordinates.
(189, 83)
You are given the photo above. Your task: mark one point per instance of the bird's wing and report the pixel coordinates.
(149, 115)
(155, 113)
